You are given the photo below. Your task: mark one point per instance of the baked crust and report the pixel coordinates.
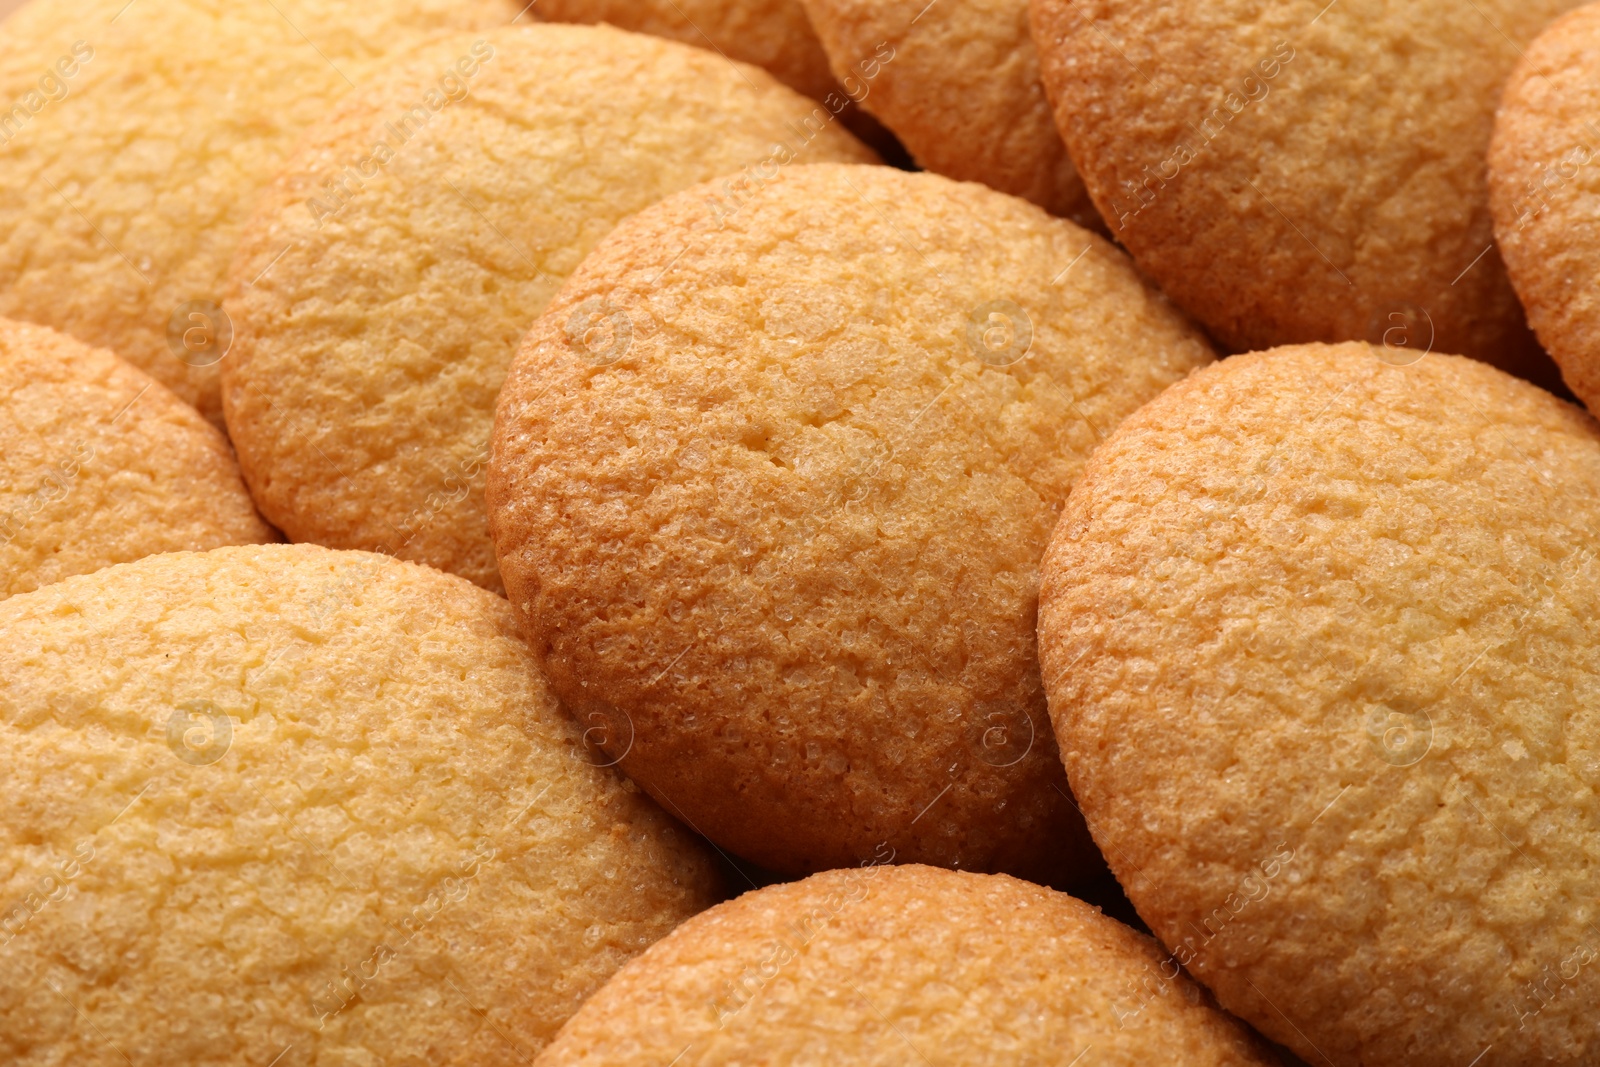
(768, 506)
(1320, 635)
(282, 801)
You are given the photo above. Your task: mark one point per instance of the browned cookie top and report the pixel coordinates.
(882, 966)
(773, 34)
(1322, 636)
(1303, 170)
(770, 483)
(1544, 177)
(958, 83)
(394, 265)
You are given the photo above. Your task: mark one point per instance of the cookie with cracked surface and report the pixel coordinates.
(134, 138)
(288, 801)
(1321, 641)
(1302, 171)
(769, 487)
(889, 965)
(958, 83)
(100, 464)
(393, 266)
(1544, 184)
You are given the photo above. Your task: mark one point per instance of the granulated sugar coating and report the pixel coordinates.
(100, 464)
(885, 966)
(1323, 656)
(137, 137)
(287, 802)
(382, 287)
(770, 483)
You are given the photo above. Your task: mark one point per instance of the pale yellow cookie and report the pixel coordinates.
(903, 965)
(134, 137)
(770, 483)
(101, 464)
(958, 82)
(382, 288)
(1302, 170)
(285, 805)
(1321, 630)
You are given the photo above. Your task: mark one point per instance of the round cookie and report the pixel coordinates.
(1545, 193)
(1300, 171)
(772, 34)
(313, 805)
(1321, 641)
(100, 464)
(769, 487)
(382, 288)
(902, 964)
(958, 83)
(134, 138)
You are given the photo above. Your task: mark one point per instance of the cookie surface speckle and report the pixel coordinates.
(1301, 171)
(1544, 180)
(285, 801)
(382, 288)
(774, 35)
(1320, 637)
(959, 84)
(770, 481)
(895, 965)
(100, 464)
(144, 133)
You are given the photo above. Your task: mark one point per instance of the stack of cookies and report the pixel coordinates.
(799, 532)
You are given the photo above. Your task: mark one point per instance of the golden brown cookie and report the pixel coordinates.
(134, 137)
(1321, 644)
(1300, 171)
(958, 83)
(772, 34)
(295, 806)
(901, 965)
(770, 483)
(1544, 184)
(382, 288)
(101, 464)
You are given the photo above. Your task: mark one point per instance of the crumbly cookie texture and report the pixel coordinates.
(101, 464)
(1544, 181)
(134, 138)
(379, 294)
(890, 965)
(1300, 171)
(1320, 637)
(288, 802)
(958, 83)
(770, 483)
